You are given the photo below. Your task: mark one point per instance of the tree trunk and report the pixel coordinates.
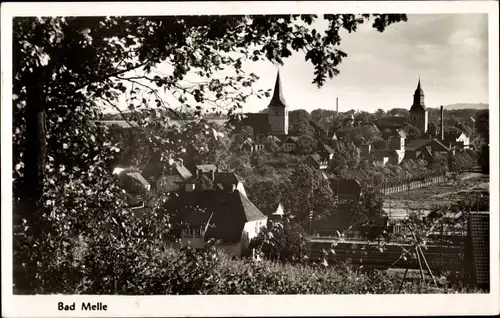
(35, 151)
(30, 206)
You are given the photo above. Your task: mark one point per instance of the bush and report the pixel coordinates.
(110, 269)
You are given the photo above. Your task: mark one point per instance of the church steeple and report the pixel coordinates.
(277, 100)
(419, 86)
(418, 98)
(278, 111)
(418, 114)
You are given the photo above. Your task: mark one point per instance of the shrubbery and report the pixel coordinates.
(148, 269)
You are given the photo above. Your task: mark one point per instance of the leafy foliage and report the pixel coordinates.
(284, 240)
(307, 192)
(345, 161)
(71, 219)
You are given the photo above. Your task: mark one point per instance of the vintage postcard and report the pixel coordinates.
(250, 158)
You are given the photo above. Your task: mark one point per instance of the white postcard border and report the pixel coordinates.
(127, 306)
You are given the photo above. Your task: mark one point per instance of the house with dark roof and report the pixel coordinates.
(227, 216)
(316, 162)
(289, 144)
(415, 147)
(346, 190)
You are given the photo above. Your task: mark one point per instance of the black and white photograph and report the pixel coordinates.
(215, 148)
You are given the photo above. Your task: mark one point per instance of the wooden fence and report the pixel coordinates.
(408, 185)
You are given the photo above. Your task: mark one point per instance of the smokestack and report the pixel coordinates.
(441, 127)
(337, 105)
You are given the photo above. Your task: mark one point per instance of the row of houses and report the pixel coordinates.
(223, 212)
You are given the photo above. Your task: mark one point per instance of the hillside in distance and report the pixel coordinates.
(467, 106)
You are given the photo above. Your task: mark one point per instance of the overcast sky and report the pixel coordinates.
(448, 51)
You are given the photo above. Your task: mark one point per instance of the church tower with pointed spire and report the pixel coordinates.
(278, 111)
(419, 116)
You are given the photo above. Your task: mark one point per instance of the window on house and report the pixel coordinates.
(196, 232)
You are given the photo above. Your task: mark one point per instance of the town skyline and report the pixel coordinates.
(447, 52)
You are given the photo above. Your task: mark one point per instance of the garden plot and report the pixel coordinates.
(438, 194)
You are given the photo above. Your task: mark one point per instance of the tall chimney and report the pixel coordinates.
(337, 107)
(441, 127)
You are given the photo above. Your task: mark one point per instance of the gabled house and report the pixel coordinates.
(425, 154)
(416, 146)
(326, 152)
(457, 139)
(251, 146)
(173, 177)
(289, 144)
(316, 162)
(226, 216)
